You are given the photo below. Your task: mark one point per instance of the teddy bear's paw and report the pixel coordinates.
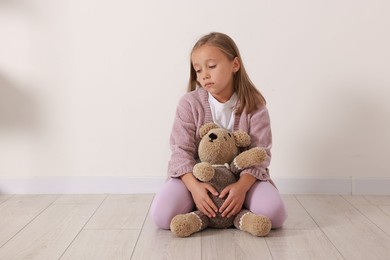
(203, 171)
(250, 158)
(258, 154)
(256, 225)
(185, 225)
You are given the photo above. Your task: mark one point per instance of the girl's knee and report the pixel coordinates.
(264, 199)
(160, 220)
(276, 212)
(161, 214)
(277, 215)
(172, 199)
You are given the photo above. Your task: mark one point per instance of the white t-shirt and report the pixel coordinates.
(223, 113)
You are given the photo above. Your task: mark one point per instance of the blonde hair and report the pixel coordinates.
(249, 97)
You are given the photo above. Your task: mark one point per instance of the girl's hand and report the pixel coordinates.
(234, 201)
(200, 194)
(236, 195)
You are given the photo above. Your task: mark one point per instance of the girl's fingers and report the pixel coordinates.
(212, 206)
(224, 207)
(227, 210)
(231, 208)
(223, 193)
(234, 211)
(212, 190)
(206, 209)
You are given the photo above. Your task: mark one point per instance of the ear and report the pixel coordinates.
(236, 64)
(242, 138)
(204, 129)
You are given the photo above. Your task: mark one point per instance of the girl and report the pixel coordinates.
(219, 91)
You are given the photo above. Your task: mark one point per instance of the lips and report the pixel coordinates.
(208, 84)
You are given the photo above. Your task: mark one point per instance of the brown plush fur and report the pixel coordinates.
(220, 164)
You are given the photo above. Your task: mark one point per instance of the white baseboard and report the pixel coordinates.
(125, 185)
(377, 186)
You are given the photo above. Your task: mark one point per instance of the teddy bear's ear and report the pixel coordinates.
(204, 129)
(242, 138)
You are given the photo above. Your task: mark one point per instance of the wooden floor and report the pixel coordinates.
(118, 227)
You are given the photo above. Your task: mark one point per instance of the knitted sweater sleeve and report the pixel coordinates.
(260, 131)
(182, 140)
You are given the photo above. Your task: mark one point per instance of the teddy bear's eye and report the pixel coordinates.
(229, 135)
(225, 138)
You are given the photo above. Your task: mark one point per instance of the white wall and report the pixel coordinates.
(89, 88)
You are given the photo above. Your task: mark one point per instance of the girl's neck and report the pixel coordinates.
(225, 102)
(223, 97)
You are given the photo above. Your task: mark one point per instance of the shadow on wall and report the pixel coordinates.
(18, 111)
(18, 4)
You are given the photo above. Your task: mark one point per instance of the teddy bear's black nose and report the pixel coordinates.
(212, 137)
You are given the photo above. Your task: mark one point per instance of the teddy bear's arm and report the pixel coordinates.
(203, 171)
(248, 159)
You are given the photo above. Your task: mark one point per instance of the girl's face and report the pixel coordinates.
(214, 71)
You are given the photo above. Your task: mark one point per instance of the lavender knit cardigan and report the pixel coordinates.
(192, 112)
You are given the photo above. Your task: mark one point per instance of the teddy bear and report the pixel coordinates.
(220, 165)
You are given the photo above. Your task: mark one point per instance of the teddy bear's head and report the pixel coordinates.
(218, 145)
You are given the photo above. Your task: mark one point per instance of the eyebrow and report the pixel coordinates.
(206, 61)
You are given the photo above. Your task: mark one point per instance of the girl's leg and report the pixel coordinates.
(173, 198)
(264, 199)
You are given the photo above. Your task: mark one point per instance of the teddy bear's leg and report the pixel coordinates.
(257, 225)
(185, 225)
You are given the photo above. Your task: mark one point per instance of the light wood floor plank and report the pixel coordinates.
(378, 200)
(300, 237)
(155, 244)
(18, 211)
(373, 212)
(305, 244)
(4, 198)
(232, 244)
(81, 199)
(351, 233)
(79, 226)
(297, 215)
(356, 200)
(121, 212)
(48, 235)
(102, 244)
(385, 209)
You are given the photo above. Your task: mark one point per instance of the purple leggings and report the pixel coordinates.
(174, 198)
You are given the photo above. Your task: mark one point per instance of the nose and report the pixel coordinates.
(212, 137)
(206, 76)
